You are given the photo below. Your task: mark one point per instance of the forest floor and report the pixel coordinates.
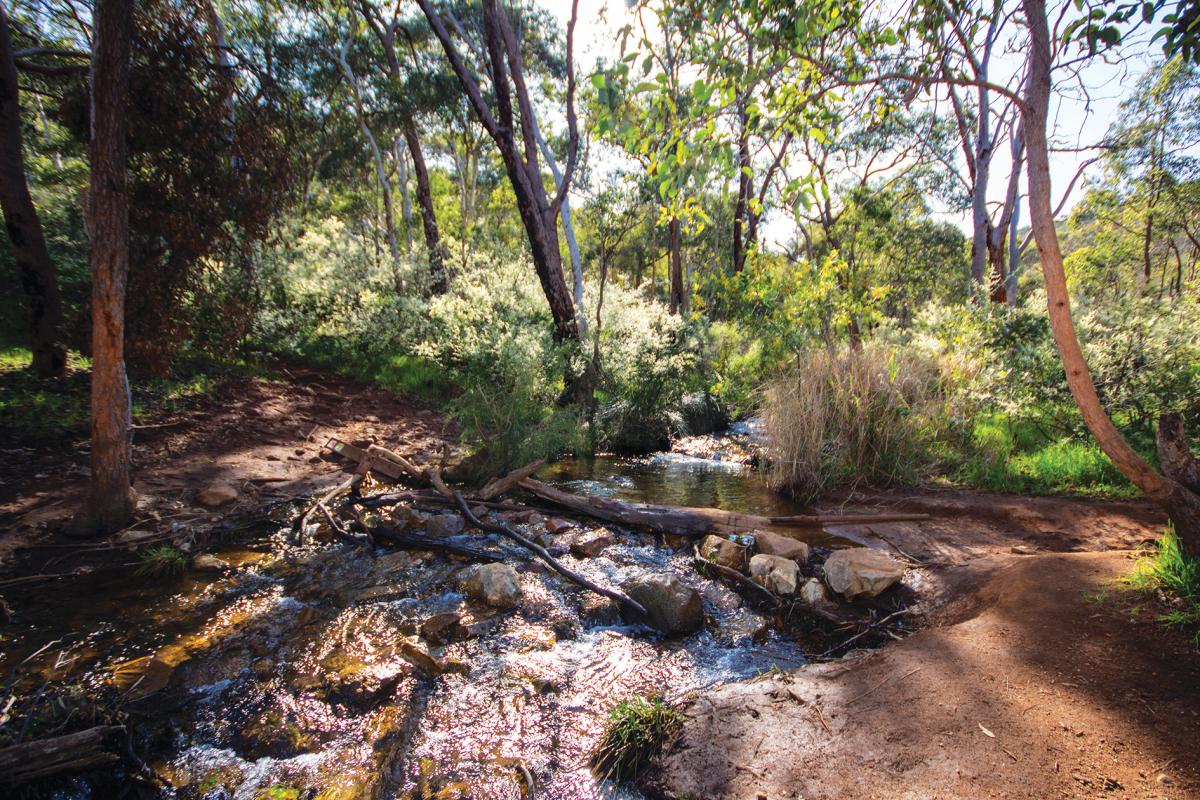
(1034, 676)
(264, 437)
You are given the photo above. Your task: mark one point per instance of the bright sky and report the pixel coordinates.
(1080, 121)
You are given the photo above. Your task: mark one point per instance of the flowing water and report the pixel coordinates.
(287, 676)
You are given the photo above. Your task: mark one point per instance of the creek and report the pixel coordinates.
(286, 676)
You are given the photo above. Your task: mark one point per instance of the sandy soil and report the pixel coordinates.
(1036, 679)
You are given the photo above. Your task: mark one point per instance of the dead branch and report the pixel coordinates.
(541, 553)
(301, 523)
(406, 540)
(498, 486)
(73, 752)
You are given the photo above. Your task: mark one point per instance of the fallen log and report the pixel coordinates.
(41, 758)
(685, 521)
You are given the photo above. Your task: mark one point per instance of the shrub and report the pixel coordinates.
(636, 731)
(872, 415)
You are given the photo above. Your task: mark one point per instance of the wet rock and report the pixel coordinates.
(444, 525)
(775, 573)
(556, 525)
(444, 628)
(480, 512)
(216, 495)
(206, 562)
(262, 667)
(672, 606)
(495, 585)
(813, 592)
(595, 610)
(419, 657)
(773, 544)
(861, 571)
(742, 627)
(720, 550)
(593, 543)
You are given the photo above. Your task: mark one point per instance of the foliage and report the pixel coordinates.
(637, 729)
(1169, 570)
(871, 415)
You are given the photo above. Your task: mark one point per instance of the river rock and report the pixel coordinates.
(556, 525)
(495, 585)
(720, 550)
(444, 525)
(593, 543)
(443, 628)
(775, 573)
(813, 592)
(861, 571)
(773, 544)
(216, 495)
(206, 562)
(672, 606)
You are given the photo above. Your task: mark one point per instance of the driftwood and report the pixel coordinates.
(321, 505)
(506, 483)
(542, 553)
(74, 752)
(684, 521)
(405, 540)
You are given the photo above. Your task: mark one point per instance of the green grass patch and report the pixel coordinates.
(1174, 574)
(1019, 458)
(636, 731)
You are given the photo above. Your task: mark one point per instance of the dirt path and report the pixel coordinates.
(1037, 679)
(263, 437)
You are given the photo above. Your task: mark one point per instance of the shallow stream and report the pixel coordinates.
(290, 674)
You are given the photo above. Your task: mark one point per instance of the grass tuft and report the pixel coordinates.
(636, 731)
(164, 561)
(1169, 570)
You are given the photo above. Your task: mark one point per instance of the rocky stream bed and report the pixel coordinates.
(338, 670)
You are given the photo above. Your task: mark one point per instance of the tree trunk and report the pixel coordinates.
(1181, 504)
(35, 270)
(568, 230)
(742, 209)
(998, 268)
(675, 235)
(110, 500)
(433, 240)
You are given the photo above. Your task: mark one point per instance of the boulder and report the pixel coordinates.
(495, 585)
(672, 606)
(593, 543)
(444, 525)
(216, 495)
(813, 592)
(861, 571)
(720, 550)
(775, 573)
(773, 544)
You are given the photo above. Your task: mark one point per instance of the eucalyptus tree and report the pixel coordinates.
(35, 269)
(493, 76)
(109, 502)
(1150, 156)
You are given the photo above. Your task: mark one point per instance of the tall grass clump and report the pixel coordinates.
(873, 416)
(1169, 570)
(636, 730)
